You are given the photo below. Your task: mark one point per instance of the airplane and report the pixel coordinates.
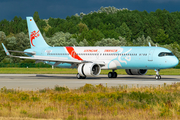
(89, 61)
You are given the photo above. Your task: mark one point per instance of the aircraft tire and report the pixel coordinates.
(158, 77)
(115, 75)
(83, 77)
(78, 76)
(110, 75)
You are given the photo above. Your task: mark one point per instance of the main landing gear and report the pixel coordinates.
(158, 77)
(80, 77)
(112, 74)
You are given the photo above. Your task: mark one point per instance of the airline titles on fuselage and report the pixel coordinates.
(110, 50)
(90, 50)
(95, 50)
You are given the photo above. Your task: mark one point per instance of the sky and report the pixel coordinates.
(63, 8)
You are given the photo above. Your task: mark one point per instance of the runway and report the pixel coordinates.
(36, 81)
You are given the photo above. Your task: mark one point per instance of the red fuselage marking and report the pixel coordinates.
(73, 53)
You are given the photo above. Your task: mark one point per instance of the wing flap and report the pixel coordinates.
(55, 59)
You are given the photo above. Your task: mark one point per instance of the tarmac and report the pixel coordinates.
(41, 81)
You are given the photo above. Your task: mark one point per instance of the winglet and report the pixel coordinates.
(149, 44)
(6, 51)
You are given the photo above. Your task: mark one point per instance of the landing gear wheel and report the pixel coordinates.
(83, 77)
(78, 76)
(158, 77)
(115, 75)
(110, 75)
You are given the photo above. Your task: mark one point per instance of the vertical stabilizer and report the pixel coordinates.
(35, 36)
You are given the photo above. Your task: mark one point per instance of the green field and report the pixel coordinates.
(74, 71)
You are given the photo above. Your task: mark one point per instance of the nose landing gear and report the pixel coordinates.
(112, 74)
(158, 77)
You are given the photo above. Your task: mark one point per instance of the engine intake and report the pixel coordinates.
(89, 69)
(136, 71)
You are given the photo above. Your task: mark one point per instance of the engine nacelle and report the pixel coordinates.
(136, 71)
(89, 69)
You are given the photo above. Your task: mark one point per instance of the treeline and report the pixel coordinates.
(162, 26)
(108, 26)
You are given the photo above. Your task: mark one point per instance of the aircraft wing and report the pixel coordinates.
(51, 59)
(60, 60)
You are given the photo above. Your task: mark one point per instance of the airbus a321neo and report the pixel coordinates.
(91, 60)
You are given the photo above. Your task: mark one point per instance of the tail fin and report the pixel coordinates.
(35, 36)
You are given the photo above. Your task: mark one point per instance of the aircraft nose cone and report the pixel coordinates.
(175, 61)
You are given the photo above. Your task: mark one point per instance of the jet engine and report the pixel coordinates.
(136, 71)
(89, 69)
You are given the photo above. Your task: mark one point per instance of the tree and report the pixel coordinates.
(62, 39)
(111, 42)
(83, 43)
(2, 40)
(91, 36)
(142, 41)
(36, 16)
(4, 26)
(110, 34)
(2, 36)
(162, 37)
(22, 41)
(124, 31)
(82, 27)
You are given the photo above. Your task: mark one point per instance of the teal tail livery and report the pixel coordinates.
(36, 38)
(89, 61)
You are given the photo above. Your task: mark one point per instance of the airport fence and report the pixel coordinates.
(36, 65)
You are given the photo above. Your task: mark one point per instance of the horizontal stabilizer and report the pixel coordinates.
(32, 53)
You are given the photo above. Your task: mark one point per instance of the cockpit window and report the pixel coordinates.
(165, 54)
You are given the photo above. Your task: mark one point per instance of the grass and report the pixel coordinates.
(92, 103)
(74, 71)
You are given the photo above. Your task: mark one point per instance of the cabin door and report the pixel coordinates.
(150, 55)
